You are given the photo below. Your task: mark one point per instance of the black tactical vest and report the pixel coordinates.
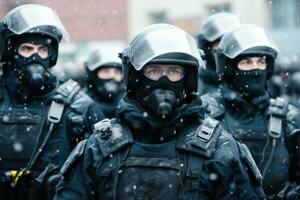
(142, 176)
(20, 126)
(132, 170)
(255, 135)
(268, 150)
(24, 128)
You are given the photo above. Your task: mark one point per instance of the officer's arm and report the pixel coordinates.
(68, 187)
(94, 115)
(77, 103)
(251, 179)
(80, 125)
(292, 139)
(232, 173)
(76, 182)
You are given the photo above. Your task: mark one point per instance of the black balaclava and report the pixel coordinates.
(161, 97)
(250, 83)
(105, 89)
(31, 73)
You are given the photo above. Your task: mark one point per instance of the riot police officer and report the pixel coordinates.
(160, 146)
(245, 61)
(40, 120)
(105, 86)
(212, 30)
(286, 66)
(275, 86)
(294, 90)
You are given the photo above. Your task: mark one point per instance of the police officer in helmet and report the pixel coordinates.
(212, 30)
(160, 146)
(245, 61)
(105, 87)
(38, 126)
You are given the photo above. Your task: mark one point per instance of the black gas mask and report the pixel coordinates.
(108, 89)
(32, 72)
(163, 96)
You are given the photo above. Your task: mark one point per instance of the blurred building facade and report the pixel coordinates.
(190, 13)
(279, 17)
(85, 20)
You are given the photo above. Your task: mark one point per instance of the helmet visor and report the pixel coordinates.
(218, 25)
(244, 38)
(161, 39)
(26, 17)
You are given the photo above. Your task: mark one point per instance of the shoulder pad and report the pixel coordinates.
(81, 102)
(214, 108)
(278, 107)
(66, 91)
(202, 139)
(250, 163)
(74, 156)
(111, 135)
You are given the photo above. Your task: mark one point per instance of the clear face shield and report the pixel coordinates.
(102, 56)
(161, 39)
(27, 17)
(244, 38)
(218, 24)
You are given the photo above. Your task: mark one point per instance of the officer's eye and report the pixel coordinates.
(105, 71)
(262, 61)
(249, 62)
(43, 52)
(26, 48)
(243, 62)
(43, 49)
(152, 71)
(174, 71)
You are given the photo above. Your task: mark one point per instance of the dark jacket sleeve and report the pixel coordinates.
(231, 173)
(292, 139)
(76, 116)
(94, 115)
(77, 182)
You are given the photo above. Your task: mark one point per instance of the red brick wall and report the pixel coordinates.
(85, 20)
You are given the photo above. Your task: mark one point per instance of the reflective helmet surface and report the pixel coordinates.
(105, 56)
(218, 24)
(212, 30)
(32, 18)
